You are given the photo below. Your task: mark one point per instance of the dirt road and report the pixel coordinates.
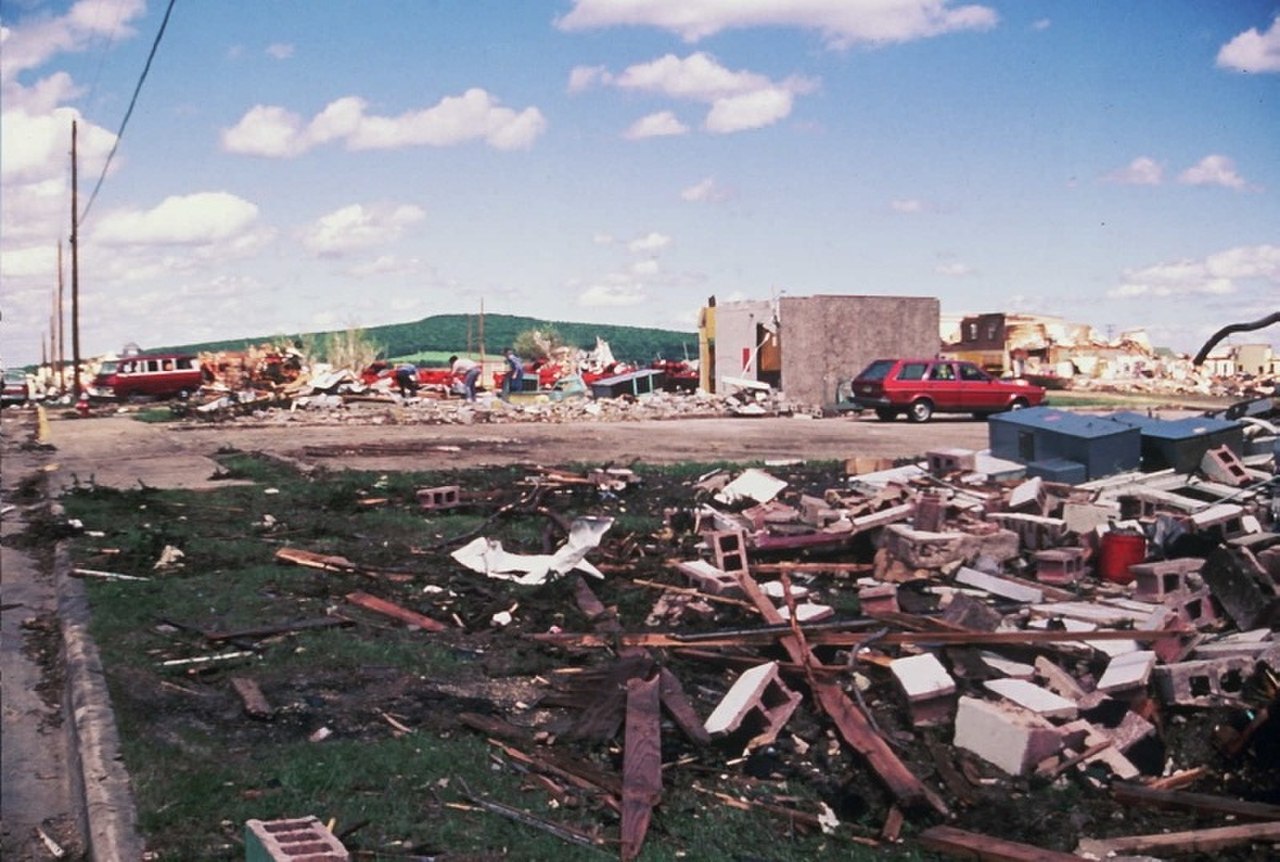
(119, 451)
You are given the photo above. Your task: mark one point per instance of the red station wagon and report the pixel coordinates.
(921, 387)
(147, 375)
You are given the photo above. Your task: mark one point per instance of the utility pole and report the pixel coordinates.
(481, 333)
(62, 334)
(75, 274)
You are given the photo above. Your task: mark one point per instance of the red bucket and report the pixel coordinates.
(1120, 551)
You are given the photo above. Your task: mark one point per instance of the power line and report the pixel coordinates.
(133, 101)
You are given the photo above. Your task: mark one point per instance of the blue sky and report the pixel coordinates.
(304, 164)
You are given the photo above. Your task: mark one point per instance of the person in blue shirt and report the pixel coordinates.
(513, 380)
(407, 379)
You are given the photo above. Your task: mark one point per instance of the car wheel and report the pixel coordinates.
(920, 410)
(1019, 404)
(884, 414)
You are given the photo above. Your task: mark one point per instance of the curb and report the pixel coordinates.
(99, 779)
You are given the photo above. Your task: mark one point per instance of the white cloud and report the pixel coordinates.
(267, 130)
(663, 124)
(955, 270)
(195, 219)
(280, 51)
(387, 264)
(356, 227)
(601, 238)
(648, 267)
(1041, 24)
(706, 191)
(585, 77)
(1218, 274)
(32, 43)
(649, 243)
(698, 77)
(611, 295)
(842, 23)
(908, 206)
(1142, 171)
(753, 110)
(1213, 171)
(1252, 51)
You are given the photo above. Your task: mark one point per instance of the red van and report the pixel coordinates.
(147, 375)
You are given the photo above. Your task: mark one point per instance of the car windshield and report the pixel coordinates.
(108, 367)
(15, 377)
(876, 370)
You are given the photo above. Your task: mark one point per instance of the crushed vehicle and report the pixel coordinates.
(920, 388)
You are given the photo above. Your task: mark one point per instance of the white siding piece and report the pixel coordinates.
(1039, 700)
(998, 586)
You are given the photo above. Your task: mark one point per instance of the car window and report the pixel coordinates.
(876, 370)
(942, 371)
(969, 371)
(911, 371)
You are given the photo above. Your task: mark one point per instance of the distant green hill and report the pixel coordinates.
(460, 332)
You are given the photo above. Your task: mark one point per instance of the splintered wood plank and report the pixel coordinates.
(255, 702)
(1192, 841)
(680, 709)
(641, 763)
(962, 844)
(389, 609)
(1137, 794)
(279, 629)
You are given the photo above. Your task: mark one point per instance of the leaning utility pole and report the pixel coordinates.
(75, 275)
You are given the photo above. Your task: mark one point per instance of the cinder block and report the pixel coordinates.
(303, 839)
(1128, 671)
(1223, 465)
(1032, 697)
(931, 512)
(730, 549)
(1060, 565)
(1029, 497)
(922, 677)
(1198, 609)
(1209, 682)
(1035, 532)
(758, 698)
(944, 461)
(709, 579)
(1009, 738)
(879, 599)
(444, 497)
(1155, 580)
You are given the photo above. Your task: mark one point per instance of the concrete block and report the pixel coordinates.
(922, 677)
(1080, 736)
(709, 579)
(997, 586)
(1255, 643)
(1035, 532)
(931, 512)
(1223, 465)
(1060, 565)
(924, 550)
(1208, 682)
(1058, 680)
(730, 549)
(944, 461)
(1128, 671)
(1198, 609)
(1242, 587)
(1029, 497)
(1007, 667)
(759, 700)
(878, 599)
(1033, 698)
(967, 612)
(443, 497)
(1011, 739)
(1153, 581)
(1081, 518)
(303, 839)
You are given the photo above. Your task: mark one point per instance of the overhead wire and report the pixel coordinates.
(102, 53)
(129, 111)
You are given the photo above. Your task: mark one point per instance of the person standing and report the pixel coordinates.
(406, 376)
(513, 380)
(468, 370)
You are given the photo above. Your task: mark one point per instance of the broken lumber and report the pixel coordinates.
(1192, 841)
(564, 833)
(255, 702)
(279, 629)
(1137, 794)
(962, 844)
(386, 608)
(641, 763)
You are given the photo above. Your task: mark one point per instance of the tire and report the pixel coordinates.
(1019, 404)
(885, 414)
(920, 410)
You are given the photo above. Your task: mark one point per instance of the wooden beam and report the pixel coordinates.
(386, 608)
(1192, 841)
(279, 629)
(1138, 794)
(962, 844)
(641, 763)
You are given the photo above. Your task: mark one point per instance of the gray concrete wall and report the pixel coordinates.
(736, 331)
(827, 339)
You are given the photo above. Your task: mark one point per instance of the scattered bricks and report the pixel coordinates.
(928, 687)
(444, 497)
(1208, 682)
(1128, 671)
(1035, 532)
(1080, 735)
(1223, 465)
(1242, 587)
(1029, 497)
(944, 461)
(924, 550)
(303, 839)
(997, 586)
(1009, 738)
(1082, 518)
(1058, 680)
(1153, 581)
(1032, 697)
(931, 512)
(1198, 609)
(1059, 565)
(759, 697)
(709, 579)
(730, 548)
(878, 599)
(817, 511)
